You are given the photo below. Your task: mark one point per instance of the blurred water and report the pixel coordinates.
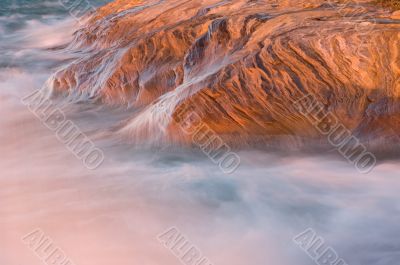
(112, 215)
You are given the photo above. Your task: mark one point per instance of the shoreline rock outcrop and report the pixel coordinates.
(240, 65)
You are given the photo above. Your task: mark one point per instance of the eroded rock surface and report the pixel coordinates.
(240, 65)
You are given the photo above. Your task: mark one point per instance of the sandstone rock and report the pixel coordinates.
(396, 14)
(239, 65)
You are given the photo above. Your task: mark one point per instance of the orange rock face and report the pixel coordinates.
(240, 65)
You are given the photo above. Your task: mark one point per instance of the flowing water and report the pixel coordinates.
(112, 215)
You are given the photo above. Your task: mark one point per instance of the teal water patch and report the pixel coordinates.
(32, 8)
(15, 13)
